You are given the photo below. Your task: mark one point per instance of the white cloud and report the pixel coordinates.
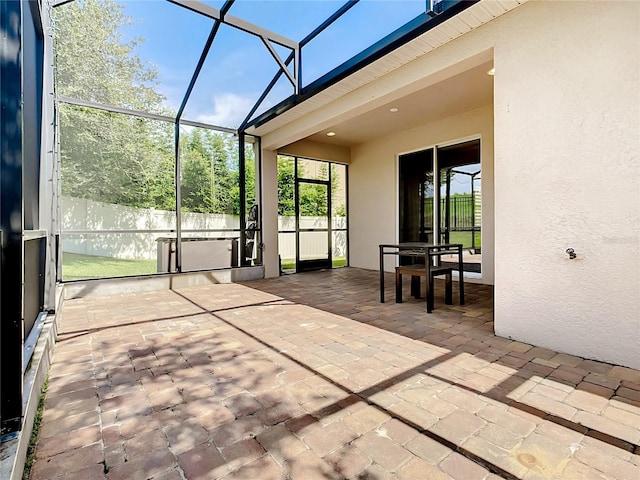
(229, 110)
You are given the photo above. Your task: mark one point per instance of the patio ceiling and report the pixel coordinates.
(463, 92)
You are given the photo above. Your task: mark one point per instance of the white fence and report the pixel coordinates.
(128, 232)
(312, 244)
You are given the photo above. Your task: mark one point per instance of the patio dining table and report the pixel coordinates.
(427, 251)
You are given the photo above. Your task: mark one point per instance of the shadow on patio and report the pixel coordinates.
(309, 376)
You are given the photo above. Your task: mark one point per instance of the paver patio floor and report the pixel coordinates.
(309, 377)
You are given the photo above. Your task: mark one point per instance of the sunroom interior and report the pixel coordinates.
(202, 143)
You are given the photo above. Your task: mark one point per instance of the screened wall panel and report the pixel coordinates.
(118, 195)
(339, 227)
(312, 214)
(210, 186)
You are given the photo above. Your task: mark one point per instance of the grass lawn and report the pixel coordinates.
(339, 262)
(464, 238)
(81, 267)
(290, 263)
(78, 267)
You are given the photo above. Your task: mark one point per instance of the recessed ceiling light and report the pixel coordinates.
(393, 110)
(491, 72)
(331, 134)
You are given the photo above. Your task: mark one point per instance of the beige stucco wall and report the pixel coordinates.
(567, 135)
(566, 128)
(317, 151)
(566, 120)
(270, 213)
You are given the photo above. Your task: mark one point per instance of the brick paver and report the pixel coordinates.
(309, 376)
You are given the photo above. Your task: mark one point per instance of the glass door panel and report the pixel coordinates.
(313, 169)
(313, 211)
(461, 200)
(287, 251)
(339, 248)
(416, 191)
(313, 246)
(312, 206)
(339, 215)
(312, 214)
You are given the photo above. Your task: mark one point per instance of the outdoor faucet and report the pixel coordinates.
(571, 252)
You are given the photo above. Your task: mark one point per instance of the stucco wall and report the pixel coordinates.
(567, 174)
(567, 143)
(317, 151)
(270, 213)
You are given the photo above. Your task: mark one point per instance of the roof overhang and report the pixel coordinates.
(389, 55)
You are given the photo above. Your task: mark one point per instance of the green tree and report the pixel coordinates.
(250, 176)
(286, 186)
(210, 178)
(110, 157)
(106, 156)
(162, 176)
(196, 175)
(225, 168)
(93, 61)
(313, 198)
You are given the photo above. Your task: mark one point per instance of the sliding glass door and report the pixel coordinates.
(457, 192)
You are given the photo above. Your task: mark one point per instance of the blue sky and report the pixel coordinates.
(239, 66)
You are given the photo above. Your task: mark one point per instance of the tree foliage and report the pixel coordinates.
(128, 160)
(107, 156)
(286, 186)
(123, 159)
(210, 178)
(313, 197)
(111, 157)
(93, 62)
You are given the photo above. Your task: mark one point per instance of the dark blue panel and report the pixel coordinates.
(11, 330)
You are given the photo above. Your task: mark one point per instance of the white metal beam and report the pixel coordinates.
(291, 76)
(141, 114)
(207, 11)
